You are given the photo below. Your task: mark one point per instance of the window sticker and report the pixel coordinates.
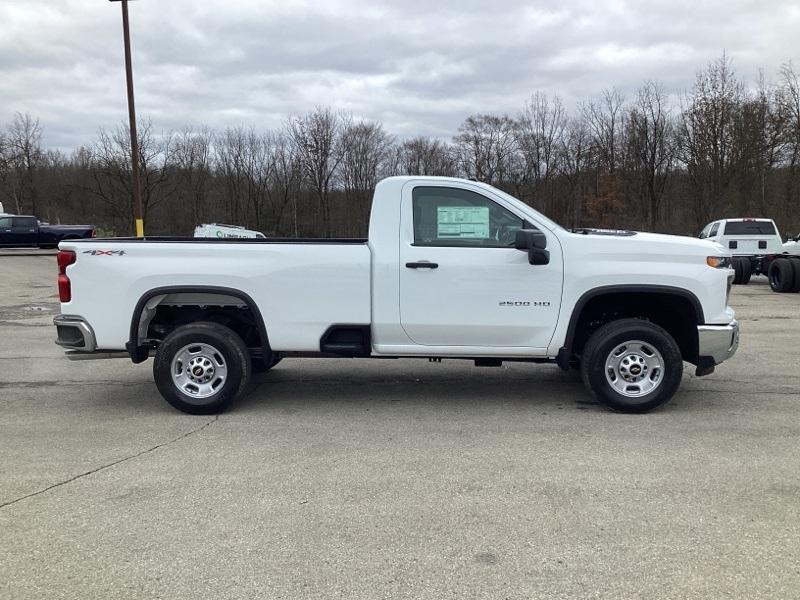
(454, 222)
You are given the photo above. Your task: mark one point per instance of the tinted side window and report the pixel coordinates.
(714, 230)
(455, 217)
(24, 223)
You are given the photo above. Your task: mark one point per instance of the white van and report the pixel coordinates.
(750, 241)
(220, 230)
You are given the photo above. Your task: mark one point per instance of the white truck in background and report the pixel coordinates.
(757, 249)
(751, 242)
(220, 230)
(451, 269)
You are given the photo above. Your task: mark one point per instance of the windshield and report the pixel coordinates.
(524, 207)
(750, 228)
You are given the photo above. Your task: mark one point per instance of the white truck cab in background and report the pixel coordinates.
(757, 249)
(751, 242)
(451, 269)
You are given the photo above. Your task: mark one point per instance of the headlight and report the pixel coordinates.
(719, 262)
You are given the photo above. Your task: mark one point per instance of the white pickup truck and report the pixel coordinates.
(451, 269)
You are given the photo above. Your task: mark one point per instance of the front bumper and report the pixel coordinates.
(74, 333)
(716, 343)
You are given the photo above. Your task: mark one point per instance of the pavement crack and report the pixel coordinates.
(111, 464)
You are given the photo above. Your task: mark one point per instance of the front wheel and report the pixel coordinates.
(200, 368)
(631, 365)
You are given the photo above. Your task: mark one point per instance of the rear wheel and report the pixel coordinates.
(631, 365)
(796, 268)
(736, 263)
(781, 275)
(200, 368)
(747, 271)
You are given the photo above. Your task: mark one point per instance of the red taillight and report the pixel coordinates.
(65, 258)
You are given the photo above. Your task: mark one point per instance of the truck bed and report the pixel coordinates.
(214, 240)
(301, 287)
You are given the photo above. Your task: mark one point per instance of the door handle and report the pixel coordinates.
(423, 264)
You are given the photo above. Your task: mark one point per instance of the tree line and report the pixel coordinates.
(649, 161)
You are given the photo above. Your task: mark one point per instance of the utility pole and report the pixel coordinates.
(135, 185)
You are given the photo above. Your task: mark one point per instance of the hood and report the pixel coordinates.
(660, 243)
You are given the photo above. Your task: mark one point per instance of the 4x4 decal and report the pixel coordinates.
(105, 252)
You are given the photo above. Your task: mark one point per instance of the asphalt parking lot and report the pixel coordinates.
(394, 479)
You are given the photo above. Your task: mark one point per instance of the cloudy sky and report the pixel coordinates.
(419, 66)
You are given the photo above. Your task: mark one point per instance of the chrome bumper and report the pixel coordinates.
(717, 343)
(74, 333)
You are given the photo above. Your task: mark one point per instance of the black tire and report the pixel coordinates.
(796, 268)
(262, 366)
(232, 355)
(747, 271)
(736, 263)
(781, 275)
(614, 335)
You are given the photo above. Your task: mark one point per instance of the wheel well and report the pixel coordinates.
(676, 313)
(238, 318)
(161, 311)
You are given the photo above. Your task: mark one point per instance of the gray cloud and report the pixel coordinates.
(418, 66)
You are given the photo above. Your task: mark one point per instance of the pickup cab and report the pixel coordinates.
(753, 243)
(452, 269)
(21, 231)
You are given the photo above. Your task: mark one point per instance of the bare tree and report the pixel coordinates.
(366, 147)
(707, 131)
(193, 158)
(789, 103)
(316, 137)
(539, 131)
(605, 120)
(22, 158)
(651, 147)
(485, 147)
(759, 126)
(245, 164)
(285, 178)
(574, 161)
(111, 170)
(426, 156)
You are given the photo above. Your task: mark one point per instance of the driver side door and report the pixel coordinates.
(462, 282)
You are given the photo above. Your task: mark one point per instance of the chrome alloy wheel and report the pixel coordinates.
(199, 370)
(634, 368)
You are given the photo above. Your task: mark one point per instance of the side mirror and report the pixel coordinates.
(534, 243)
